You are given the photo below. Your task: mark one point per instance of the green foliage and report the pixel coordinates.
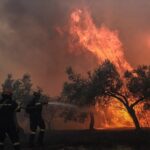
(105, 79)
(73, 115)
(84, 91)
(139, 82)
(76, 89)
(105, 82)
(8, 83)
(22, 88)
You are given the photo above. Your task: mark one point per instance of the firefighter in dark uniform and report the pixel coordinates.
(34, 109)
(8, 126)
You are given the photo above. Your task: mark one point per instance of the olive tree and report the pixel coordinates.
(106, 84)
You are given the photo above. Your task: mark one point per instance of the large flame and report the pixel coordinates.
(104, 44)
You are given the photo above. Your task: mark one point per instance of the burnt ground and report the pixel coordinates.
(128, 139)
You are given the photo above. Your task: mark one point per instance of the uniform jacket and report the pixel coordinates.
(7, 110)
(34, 109)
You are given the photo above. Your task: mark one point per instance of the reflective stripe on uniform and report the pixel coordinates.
(37, 103)
(42, 130)
(33, 132)
(16, 143)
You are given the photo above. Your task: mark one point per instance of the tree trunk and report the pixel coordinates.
(134, 117)
(92, 121)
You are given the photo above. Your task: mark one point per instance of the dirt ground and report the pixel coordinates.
(90, 140)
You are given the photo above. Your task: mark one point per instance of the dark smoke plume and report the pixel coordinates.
(30, 41)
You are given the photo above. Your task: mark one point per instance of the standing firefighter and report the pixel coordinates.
(8, 126)
(34, 109)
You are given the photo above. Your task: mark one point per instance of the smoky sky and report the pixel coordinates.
(30, 43)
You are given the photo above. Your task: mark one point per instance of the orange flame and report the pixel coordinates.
(104, 44)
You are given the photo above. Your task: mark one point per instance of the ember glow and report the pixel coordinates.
(114, 115)
(104, 44)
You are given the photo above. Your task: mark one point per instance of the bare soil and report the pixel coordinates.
(114, 139)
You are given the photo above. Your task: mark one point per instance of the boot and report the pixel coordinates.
(1, 146)
(31, 140)
(40, 141)
(17, 146)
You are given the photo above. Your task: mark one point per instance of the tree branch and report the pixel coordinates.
(138, 101)
(117, 97)
(126, 101)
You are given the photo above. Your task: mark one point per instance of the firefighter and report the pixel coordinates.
(34, 109)
(8, 126)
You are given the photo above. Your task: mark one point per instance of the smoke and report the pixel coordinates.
(31, 40)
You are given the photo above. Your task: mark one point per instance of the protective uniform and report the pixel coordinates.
(7, 121)
(34, 109)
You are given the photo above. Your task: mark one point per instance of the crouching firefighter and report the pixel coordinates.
(8, 126)
(34, 109)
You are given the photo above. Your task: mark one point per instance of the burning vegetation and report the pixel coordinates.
(119, 99)
(116, 94)
(119, 93)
